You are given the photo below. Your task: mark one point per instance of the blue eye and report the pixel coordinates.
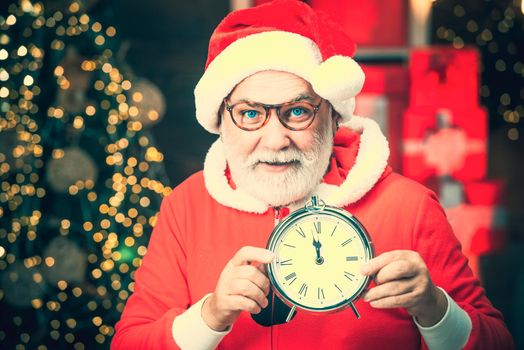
(297, 112)
(251, 114)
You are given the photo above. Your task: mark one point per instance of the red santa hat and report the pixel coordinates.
(282, 35)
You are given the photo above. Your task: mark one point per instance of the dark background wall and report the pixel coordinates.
(168, 45)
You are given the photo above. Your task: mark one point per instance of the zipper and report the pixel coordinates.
(273, 330)
(280, 213)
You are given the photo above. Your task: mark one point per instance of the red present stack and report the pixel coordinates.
(445, 144)
(444, 129)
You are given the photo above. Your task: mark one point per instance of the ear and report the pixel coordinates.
(219, 126)
(220, 115)
(335, 118)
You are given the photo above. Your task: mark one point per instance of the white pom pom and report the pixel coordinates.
(338, 78)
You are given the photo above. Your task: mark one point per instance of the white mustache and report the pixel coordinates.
(287, 156)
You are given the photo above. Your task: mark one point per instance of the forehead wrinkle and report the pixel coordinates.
(300, 97)
(272, 87)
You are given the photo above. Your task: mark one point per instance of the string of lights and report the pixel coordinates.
(494, 27)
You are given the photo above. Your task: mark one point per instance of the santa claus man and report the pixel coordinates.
(279, 88)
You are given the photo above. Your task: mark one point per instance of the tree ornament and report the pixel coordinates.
(69, 261)
(75, 165)
(149, 101)
(21, 285)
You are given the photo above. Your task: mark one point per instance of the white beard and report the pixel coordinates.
(282, 188)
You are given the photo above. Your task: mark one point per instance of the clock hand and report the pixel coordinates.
(316, 243)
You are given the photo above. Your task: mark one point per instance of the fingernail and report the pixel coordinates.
(364, 269)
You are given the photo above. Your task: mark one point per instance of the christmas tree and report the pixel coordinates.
(80, 178)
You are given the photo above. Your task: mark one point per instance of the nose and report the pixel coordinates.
(275, 136)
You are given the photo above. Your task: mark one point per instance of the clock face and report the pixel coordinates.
(318, 256)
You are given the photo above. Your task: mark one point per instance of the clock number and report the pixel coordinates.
(349, 276)
(332, 233)
(286, 262)
(351, 258)
(289, 245)
(346, 242)
(292, 276)
(340, 290)
(303, 289)
(301, 232)
(317, 226)
(321, 293)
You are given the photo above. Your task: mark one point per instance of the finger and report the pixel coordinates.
(375, 264)
(396, 270)
(249, 290)
(395, 301)
(254, 275)
(394, 288)
(247, 254)
(262, 268)
(241, 303)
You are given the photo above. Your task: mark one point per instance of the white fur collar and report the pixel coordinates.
(369, 165)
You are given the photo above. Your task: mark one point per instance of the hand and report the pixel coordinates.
(242, 286)
(317, 245)
(403, 280)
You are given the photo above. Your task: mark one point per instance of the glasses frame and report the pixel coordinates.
(277, 108)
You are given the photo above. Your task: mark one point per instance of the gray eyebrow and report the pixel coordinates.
(303, 97)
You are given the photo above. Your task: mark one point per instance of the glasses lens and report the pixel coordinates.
(249, 116)
(297, 114)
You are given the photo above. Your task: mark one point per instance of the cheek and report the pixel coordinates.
(303, 140)
(240, 143)
(245, 145)
(307, 139)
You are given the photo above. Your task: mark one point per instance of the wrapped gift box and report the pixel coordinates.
(440, 142)
(444, 77)
(476, 215)
(369, 23)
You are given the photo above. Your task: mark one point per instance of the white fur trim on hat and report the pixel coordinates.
(338, 78)
(369, 165)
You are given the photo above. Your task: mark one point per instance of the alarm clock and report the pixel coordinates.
(318, 253)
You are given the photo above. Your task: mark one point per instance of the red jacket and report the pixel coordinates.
(196, 235)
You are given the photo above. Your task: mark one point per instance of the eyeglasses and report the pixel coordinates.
(250, 116)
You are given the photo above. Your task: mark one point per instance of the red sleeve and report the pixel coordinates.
(160, 292)
(434, 240)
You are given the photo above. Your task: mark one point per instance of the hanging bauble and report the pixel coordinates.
(22, 285)
(73, 101)
(149, 100)
(74, 165)
(67, 261)
(73, 98)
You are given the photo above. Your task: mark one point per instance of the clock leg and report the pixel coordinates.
(354, 310)
(291, 313)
